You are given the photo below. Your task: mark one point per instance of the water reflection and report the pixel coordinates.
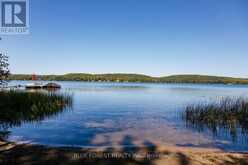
(19, 107)
(227, 116)
(106, 112)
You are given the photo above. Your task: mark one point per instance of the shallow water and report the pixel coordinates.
(131, 114)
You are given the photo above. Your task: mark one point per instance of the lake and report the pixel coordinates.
(131, 114)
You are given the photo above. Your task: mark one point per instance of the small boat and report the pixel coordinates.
(34, 86)
(51, 86)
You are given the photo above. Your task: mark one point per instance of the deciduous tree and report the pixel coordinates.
(4, 69)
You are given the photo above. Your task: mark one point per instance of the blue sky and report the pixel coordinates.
(154, 37)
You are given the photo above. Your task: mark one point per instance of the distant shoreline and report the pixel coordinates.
(139, 78)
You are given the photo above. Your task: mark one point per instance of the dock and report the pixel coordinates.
(41, 86)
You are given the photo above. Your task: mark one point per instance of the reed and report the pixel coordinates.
(17, 107)
(227, 113)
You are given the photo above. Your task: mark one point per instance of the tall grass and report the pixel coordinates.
(228, 113)
(17, 107)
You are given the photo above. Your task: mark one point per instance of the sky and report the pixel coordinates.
(153, 37)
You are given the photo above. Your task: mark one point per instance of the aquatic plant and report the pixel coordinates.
(227, 113)
(17, 107)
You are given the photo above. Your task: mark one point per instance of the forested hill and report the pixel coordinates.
(134, 78)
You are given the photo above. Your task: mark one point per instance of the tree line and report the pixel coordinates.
(133, 78)
(5, 76)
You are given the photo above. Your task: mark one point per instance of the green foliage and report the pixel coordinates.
(4, 69)
(203, 79)
(135, 78)
(228, 113)
(17, 107)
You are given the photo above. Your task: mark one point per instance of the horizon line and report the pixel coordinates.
(125, 73)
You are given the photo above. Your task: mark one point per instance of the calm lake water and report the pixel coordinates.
(131, 114)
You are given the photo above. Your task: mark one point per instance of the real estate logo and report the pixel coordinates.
(14, 17)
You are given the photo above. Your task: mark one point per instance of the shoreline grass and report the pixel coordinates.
(17, 107)
(228, 113)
